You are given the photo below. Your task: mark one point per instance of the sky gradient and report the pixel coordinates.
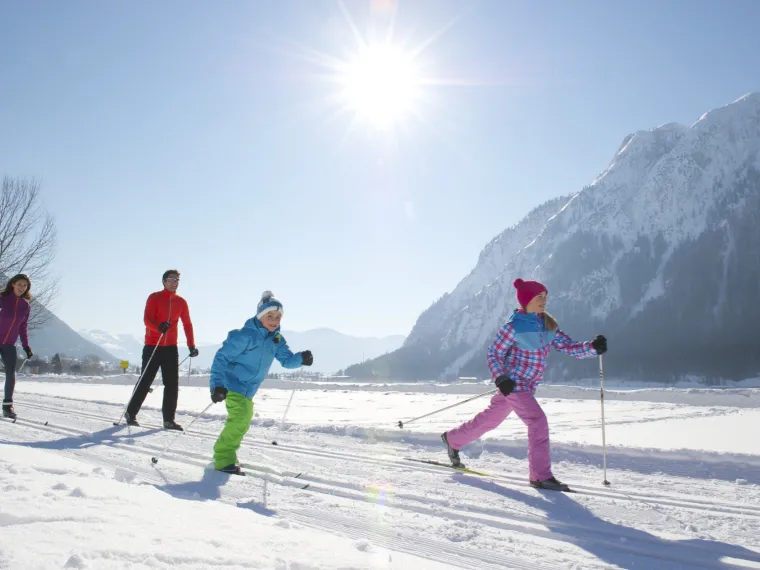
(209, 138)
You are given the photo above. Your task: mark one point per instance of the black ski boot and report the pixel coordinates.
(232, 470)
(8, 411)
(171, 424)
(453, 453)
(131, 420)
(551, 484)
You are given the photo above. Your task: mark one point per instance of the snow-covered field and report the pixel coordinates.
(78, 492)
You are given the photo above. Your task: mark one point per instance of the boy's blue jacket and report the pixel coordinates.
(243, 360)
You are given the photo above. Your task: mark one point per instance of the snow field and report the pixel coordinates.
(93, 498)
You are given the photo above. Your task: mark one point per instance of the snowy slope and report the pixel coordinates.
(678, 503)
(659, 253)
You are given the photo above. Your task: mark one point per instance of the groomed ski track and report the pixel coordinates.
(369, 491)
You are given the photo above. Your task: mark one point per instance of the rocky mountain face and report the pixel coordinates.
(661, 253)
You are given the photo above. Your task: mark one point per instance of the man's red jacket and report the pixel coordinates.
(165, 306)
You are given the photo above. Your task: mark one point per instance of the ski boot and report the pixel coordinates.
(8, 411)
(550, 484)
(453, 453)
(131, 420)
(171, 424)
(232, 470)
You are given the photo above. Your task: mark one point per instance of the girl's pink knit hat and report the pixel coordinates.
(526, 290)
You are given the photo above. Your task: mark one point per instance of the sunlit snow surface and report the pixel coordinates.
(684, 467)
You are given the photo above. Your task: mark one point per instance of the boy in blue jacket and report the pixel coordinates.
(239, 367)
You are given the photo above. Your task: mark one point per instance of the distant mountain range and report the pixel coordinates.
(55, 336)
(121, 346)
(332, 350)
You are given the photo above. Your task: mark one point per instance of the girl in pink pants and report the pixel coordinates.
(517, 360)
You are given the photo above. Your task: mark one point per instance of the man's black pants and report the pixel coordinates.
(166, 358)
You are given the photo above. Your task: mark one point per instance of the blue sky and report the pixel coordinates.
(207, 137)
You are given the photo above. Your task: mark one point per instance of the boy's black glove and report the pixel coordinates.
(505, 384)
(29, 352)
(599, 344)
(193, 351)
(307, 358)
(219, 394)
(163, 327)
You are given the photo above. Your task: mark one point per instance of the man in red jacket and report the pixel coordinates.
(163, 310)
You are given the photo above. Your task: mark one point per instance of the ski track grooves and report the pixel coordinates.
(491, 517)
(432, 549)
(513, 480)
(392, 539)
(240, 489)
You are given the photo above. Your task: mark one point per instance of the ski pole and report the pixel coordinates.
(145, 369)
(604, 439)
(401, 424)
(189, 368)
(154, 460)
(274, 442)
(282, 423)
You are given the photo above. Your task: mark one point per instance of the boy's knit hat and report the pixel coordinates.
(526, 290)
(268, 304)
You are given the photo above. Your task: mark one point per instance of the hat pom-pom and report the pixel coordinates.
(518, 283)
(267, 295)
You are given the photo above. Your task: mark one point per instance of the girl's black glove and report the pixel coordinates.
(505, 384)
(599, 344)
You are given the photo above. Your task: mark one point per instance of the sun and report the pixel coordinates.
(381, 85)
(382, 79)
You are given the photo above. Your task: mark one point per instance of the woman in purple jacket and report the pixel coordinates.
(14, 318)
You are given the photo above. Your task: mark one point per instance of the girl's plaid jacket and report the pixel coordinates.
(522, 346)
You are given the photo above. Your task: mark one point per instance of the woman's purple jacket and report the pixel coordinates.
(14, 318)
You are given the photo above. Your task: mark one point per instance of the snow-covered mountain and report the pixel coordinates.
(661, 253)
(332, 350)
(55, 336)
(122, 346)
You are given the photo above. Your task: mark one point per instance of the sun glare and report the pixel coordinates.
(380, 79)
(380, 85)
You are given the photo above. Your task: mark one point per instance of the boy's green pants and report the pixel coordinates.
(239, 414)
